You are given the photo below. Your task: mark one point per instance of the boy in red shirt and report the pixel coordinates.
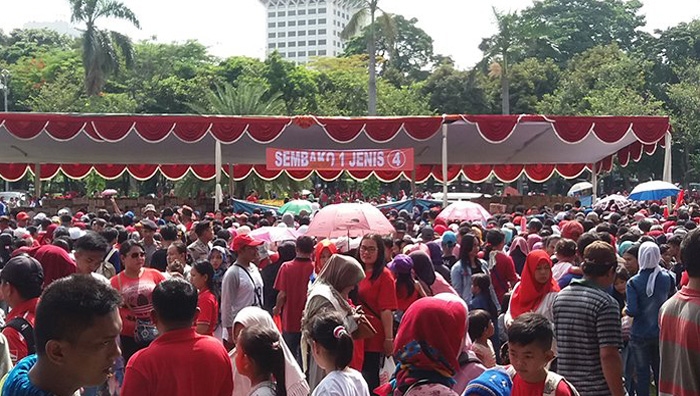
(292, 284)
(530, 339)
(20, 286)
(179, 361)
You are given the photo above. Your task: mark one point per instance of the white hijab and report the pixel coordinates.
(649, 258)
(294, 377)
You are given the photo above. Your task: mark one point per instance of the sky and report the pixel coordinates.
(237, 27)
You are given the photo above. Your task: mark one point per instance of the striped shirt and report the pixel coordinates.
(679, 322)
(586, 318)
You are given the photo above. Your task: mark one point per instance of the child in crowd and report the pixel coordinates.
(619, 293)
(332, 348)
(202, 278)
(530, 339)
(260, 357)
(480, 330)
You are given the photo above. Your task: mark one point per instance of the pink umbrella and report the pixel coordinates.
(464, 211)
(274, 234)
(349, 219)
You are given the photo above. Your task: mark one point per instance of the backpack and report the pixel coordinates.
(23, 327)
(550, 383)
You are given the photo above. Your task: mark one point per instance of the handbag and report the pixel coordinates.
(145, 331)
(364, 329)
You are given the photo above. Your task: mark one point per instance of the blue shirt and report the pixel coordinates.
(17, 382)
(644, 309)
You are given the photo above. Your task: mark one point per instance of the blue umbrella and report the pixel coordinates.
(654, 191)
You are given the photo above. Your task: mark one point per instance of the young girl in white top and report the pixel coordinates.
(260, 357)
(332, 348)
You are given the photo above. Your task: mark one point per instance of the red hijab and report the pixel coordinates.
(324, 244)
(47, 238)
(529, 294)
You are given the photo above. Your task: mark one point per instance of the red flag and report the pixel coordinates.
(679, 200)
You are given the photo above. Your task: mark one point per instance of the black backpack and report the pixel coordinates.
(26, 330)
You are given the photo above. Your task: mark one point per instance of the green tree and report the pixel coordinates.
(452, 91)
(405, 49)
(367, 10)
(21, 43)
(296, 83)
(101, 47)
(246, 99)
(684, 102)
(498, 52)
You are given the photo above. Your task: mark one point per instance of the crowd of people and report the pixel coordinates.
(552, 301)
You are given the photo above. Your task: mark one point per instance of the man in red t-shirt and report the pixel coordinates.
(179, 361)
(292, 284)
(20, 286)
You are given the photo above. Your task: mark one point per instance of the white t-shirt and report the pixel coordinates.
(348, 382)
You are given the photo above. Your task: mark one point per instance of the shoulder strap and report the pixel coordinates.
(22, 326)
(552, 382)
(257, 299)
(110, 254)
(365, 305)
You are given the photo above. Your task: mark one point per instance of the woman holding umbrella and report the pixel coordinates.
(377, 295)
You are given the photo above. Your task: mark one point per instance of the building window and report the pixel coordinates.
(292, 44)
(302, 53)
(282, 54)
(312, 21)
(321, 10)
(292, 23)
(322, 21)
(312, 42)
(301, 43)
(292, 54)
(271, 35)
(321, 42)
(281, 45)
(281, 24)
(280, 13)
(312, 53)
(271, 45)
(322, 52)
(302, 33)
(321, 31)
(312, 11)
(271, 14)
(271, 25)
(302, 12)
(281, 34)
(312, 32)
(292, 34)
(302, 23)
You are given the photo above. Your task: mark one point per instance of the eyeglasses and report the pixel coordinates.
(368, 249)
(137, 255)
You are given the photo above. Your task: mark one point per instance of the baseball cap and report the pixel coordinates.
(23, 271)
(22, 216)
(149, 225)
(242, 241)
(449, 238)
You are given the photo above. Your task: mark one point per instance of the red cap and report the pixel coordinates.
(242, 241)
(22, 216)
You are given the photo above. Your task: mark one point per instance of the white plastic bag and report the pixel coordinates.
(387, 370)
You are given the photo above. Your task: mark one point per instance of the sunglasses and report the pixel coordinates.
(137, 255)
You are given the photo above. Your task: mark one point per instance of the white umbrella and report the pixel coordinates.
(578, 187)
(654, 191)
(464, 210)
(615, 199)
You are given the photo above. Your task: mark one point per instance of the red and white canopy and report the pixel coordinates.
(478, 145)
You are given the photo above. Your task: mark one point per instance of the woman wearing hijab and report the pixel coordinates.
(432, 282)
(646, 293)
(518, 252)
(339, 276)
(536, 290)
(436, 257)
(322, 253)
(427, 348)
(294, 378)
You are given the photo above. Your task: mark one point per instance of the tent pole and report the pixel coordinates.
(444, 165)
(594, 182)
(668, 174)
(217, 165)
(231, 186)
(413, 186)
(37, 180)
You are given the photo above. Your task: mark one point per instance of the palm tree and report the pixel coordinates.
(498, 52)
(246, 99)
(368, 9)
(101, 47)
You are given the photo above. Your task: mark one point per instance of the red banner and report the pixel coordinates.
(367, 160)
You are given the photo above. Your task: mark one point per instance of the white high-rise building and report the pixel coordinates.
(302, 29)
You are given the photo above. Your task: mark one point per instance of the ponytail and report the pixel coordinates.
(328, 330)
(263, 347)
